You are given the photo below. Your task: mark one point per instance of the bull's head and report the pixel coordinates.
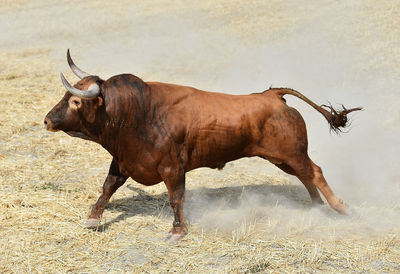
(79, 107)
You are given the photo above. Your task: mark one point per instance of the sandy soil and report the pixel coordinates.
(249, 217)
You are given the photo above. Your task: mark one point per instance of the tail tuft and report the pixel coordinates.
(338, 119)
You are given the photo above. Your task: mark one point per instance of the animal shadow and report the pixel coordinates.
(200, 201)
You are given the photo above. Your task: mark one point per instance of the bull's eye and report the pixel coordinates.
(75, 102)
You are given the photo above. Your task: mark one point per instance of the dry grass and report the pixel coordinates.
(48, 182)
(45, 198)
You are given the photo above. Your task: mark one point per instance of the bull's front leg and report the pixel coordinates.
(113, 181)
(176, 192)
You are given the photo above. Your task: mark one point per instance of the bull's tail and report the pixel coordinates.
(336, 119)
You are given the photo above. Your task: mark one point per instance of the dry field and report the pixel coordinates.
(247, 218)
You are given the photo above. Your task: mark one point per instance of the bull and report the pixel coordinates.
(157, 132)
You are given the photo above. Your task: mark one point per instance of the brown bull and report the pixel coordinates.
(158, 132)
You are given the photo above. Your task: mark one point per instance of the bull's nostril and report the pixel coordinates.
(47, 122)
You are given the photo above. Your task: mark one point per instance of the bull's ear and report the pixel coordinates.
(99, 101)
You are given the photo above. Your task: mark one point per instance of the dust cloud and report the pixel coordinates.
(325, 52)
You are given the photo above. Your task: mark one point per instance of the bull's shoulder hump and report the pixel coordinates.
(120, 76)
(123, 80)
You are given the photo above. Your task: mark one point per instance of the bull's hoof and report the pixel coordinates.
(175, 234)
(340, 207)
(92, 223)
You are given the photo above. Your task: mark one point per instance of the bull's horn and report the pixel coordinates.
(92, 92)
(77, 71)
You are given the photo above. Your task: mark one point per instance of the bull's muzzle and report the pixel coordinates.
(49, 125)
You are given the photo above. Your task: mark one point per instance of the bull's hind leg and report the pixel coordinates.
(308, 172)
(113, 181)
(312, 189)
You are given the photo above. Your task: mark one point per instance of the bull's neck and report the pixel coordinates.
(121, 136)
(93, 131)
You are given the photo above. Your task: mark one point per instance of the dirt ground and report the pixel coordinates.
(249, 217)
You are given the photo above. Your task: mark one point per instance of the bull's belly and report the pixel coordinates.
(214, 162)
(216, 155)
